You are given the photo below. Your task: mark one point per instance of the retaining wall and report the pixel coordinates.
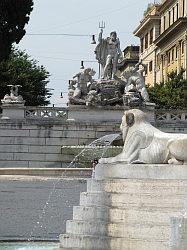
(36, 143)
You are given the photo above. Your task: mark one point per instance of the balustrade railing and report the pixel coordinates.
(45, 113)
(162, 116)
(171, 116)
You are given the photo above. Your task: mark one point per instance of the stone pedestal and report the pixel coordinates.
(13, 110)
(128, 207)
(105, 113)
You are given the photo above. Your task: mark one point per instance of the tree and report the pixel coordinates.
(14, 14)
(19, 69)
(171, 94)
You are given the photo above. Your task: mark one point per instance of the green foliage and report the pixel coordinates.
(19, 69)
(14, 14)
(171, 94)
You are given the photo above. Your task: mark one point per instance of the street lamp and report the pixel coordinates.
(82, 65)
(93, 39)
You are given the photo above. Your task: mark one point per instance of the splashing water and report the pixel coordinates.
(105, 142)
(95, 149)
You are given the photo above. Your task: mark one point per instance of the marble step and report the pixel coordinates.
(120, 170)
(84, 242)
(107, 214)
(138, 186)
(126, 200)
(134, 231)
(87, 242)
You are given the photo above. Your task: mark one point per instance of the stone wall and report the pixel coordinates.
(26, 143)
(36, 142)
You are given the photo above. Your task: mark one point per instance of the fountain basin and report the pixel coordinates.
(28, 245)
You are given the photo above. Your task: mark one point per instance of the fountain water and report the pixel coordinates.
(97, 148)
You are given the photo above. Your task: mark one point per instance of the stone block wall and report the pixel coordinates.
(36, 142)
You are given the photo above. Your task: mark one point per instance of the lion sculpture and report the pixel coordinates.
(144, 143)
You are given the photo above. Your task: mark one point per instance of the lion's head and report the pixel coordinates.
(131, 117)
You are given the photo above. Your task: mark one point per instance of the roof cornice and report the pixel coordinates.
(145, 22)
(165, 5)
(173, 28)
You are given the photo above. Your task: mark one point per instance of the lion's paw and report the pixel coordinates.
(174, 161)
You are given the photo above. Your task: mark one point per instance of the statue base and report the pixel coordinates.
(106, 113)
(130, 207)
(13, 110)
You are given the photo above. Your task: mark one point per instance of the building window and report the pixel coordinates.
(158, 61)
(146, 41)
(182, 47)
(173, 14)
(150, 66)
(142, 43)
(159, 27)
(145, 70)
(169, 18)
(169, 57)
(151, 37)
(164, 60)
(176, 52)
(172, 55)
(183, 7)
(164, 22)
(177, 10)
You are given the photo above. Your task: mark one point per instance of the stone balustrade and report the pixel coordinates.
(45, 112)
(171, 116)
(161, 115)
(165, 116)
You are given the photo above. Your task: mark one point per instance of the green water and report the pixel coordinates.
(28, 246)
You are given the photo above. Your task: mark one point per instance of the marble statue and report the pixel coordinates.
(111, 90)
(136, 82)
(13, 97)
(144, 143)
(93, 98)
(107, 53)
(79, 88)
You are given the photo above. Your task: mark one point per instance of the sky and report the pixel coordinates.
(61, 55)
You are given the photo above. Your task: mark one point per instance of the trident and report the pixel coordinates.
(101, 26)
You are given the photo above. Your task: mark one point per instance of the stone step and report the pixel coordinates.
(62, 248)
(92, 212)
(126, 200)
(137, 186)
(120, 170)
(135, 231)
(87, 242)
(107, 214)
(84, 242)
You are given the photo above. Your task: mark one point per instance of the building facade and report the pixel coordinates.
(148, 30)
(131, 58)
(163, 36)
(172, 40)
